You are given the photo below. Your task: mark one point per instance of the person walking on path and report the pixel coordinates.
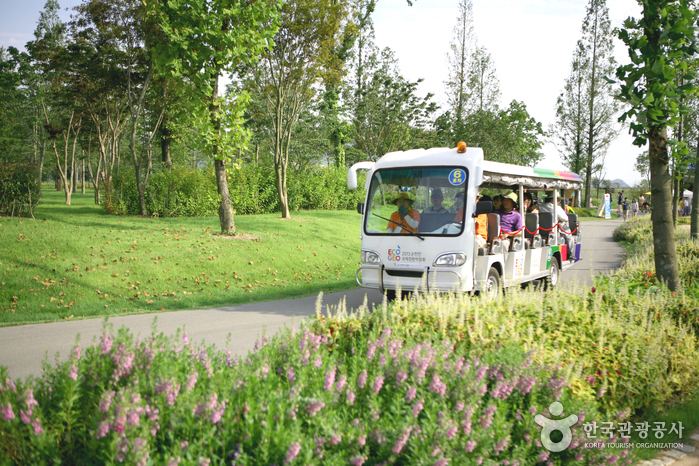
(625, 208)
(634, 208)
(619, 201)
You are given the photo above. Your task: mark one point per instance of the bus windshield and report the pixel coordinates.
(423, 200)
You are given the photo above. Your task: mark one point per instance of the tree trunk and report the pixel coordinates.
(42, 153)
(225, 209)
(165, 143)
(695, 199)
(665, 252)
(281, 191)
(83, 180)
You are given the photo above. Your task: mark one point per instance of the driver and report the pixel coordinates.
(437, 198)
(405, 218)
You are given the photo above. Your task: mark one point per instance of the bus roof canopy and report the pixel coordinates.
(496, 173)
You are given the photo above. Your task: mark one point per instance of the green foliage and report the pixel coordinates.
(183, 192)
(660, 43)
(295, 400)
(19, 189)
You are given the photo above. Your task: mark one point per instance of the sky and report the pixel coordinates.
(531, 43)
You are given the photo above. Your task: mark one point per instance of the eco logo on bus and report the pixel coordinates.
(457, 177)
(394, 254)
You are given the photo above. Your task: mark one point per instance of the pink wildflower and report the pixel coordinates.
(73, 373)
(417, 407)
(470, 445)
(378, 383)
(400, 377)
(361, 440)
(357, 461)
(292, 452)
(318, 362)
(173, 461)
(335, 440)
(192, 381)
(185, 339)
(106, 401)
(361, 381)
(290, 374)
(103, 429)
(204, 461)
(410, 396)
(10, 384)
(24, 417)
(441, 462)
(437, 386)
(341, 383)
(37, 427)
(106, 344)
(402, 440)
(329, 379)
(7, 413)
(314, 407)
(350, 397)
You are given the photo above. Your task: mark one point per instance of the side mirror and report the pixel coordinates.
(360, 207)
(484, 207)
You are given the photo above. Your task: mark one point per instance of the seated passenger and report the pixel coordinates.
(560, 217)
(497, 202)
(436, 208)
(510, 219)
(458, 203)
(481, 223)
(405, 218)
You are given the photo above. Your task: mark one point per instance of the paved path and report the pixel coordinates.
(23, 348)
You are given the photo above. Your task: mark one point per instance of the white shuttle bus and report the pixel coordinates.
(410, 242)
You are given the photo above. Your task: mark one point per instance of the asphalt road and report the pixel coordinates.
(23, 348)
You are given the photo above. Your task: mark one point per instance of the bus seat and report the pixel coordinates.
(494, 241)
(574, 223)
(531, 222)
(546, 224)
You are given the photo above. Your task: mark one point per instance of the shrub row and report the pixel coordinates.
(19, 189)
(193, 193)
(298, 399)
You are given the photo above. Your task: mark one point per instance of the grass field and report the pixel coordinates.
(75, 261)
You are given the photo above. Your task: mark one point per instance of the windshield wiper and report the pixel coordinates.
(405, 227)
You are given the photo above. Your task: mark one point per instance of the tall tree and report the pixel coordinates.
(286, 77)
(201, 39)
(659, 43)
(460, 52)
(388, 108)
(483, 84)
(585, 111)
(569, 130)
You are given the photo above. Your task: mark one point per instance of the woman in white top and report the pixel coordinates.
(634, 208)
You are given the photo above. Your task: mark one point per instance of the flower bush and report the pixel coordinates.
(300, 398)
(622, 349)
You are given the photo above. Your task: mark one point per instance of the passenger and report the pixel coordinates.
(510, 219)
(530, 204)
(437, 198)
(481, 223)
(405, 218)
(561, 218)
(458, 203)
(497, 202)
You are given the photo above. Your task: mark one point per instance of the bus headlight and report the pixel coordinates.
(370, 257)
(453, 259)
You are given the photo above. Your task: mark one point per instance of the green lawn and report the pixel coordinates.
(75, 261)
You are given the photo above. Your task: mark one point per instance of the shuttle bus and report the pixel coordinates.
(411, 243)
